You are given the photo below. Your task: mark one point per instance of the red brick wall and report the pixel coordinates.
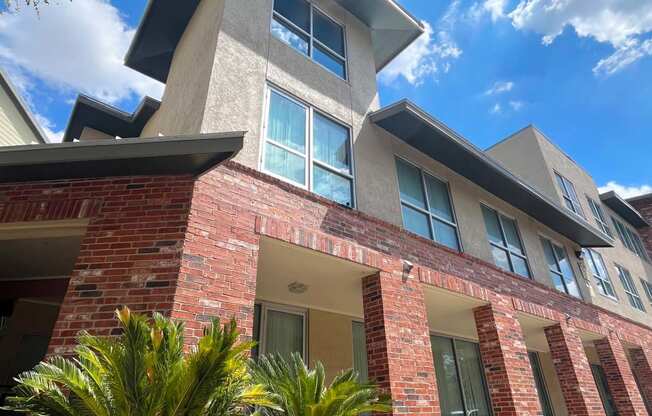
(644, 206)
(642, 366)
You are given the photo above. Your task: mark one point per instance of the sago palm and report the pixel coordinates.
(299, 391)
(144, 372)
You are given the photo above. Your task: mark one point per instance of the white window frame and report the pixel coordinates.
(567, 196)
(423, 172)
(311, 38)
(554, 243)
(504, 237)
(308, 157)
(599, 216)
(269, 306)
(630, 239)
(590, 257)
(629, 286)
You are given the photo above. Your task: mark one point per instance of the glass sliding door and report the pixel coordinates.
(279, 330)
(542, 390)
(603, 389)
(360, 351)
(460, 378)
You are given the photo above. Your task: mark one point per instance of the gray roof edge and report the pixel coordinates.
(639, 197)
(407, 105)
(22, 107)
(612, 196)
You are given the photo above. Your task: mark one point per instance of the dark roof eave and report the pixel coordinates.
(624, 209)
(411, 124)
(178, 155)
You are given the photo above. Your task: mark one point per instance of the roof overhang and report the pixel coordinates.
(420, 130)
(164, 21)
(624, 209)
(88, 112)
(124, 157)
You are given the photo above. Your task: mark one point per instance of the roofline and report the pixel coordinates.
(639, 197)
(635, 217)
(22, 107)
(419, 26)
(407, 105)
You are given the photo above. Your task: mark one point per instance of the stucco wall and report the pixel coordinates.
(13, 128)
(552, 384)
(330, 340)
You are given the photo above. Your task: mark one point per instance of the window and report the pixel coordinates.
(279, 330)
(426, 205)
(309, 149)
(305, 28)
(540, 382)
(505, 241)
(570, 196)
(360, 351)
(599, 217)
(630, 239)
(630, 289)
(647, 287)
(460, 377)
(561, 271)
(603, 389)
(599, 272)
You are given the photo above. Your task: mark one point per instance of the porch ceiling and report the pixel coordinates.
(450, 313)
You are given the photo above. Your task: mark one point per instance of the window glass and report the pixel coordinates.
(561, 271)
(647, 287)
(520, 266)
(360, 352)
(603, 389)
(283, 333)
(330, 61)
(511, 234)
(440, 204)
(539, 379)
(445, 234)
(492, 225)
(599, 217)
(296, 11)
(410, 185)
(569, 195)
(256, 331)
(287, 123)
(448, 384)
(416, 222)
(333, 186)
(290, 36)
(630, 288)
(286, 164)
(500, 258)
(599, 271)
(332, 144)
(328, 32)
(473, 387)
(507, 251)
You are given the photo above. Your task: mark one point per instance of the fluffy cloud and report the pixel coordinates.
(47, 126)
(620, 23)
(516, 104)
(496, 109)
(500, 87)
(74, 46)
(626, 191)
(429, 55)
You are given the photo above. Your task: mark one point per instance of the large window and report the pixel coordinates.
(426, 205)
(360, 351)
(603, 389)
(599, 216)
(630, 288)
(630, 239)
(647, 287)
(307, 148)
(561, 271)
(460, 378)
(599, 272)
(506, 246)
(570, 196)
(540, 382)
(304, 27)
(279, 330)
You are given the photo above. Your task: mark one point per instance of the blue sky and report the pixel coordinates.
(580, 70)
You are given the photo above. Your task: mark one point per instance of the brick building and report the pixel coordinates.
(269, 185)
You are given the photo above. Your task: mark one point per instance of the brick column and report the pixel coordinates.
(398, 343)
(641, 360)
(573, 371)
(505, 360)
(619, 377)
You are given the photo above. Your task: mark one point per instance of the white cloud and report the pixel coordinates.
(74, 46)
(620, 23)
(429, 55)
(516, 105)
(47, 126)
(626, 191)
(495, 7)
(500, 87)
(496, 109)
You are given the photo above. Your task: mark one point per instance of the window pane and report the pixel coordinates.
(520, 266)
(287, 123)
(445, 234)
(256, 331)
(328, 32)
(360, 352)
(285, 164)
(332, 145)
(558, 282)
(410, 185)
(567, 271)
(647, 286)
(288, 35)
(416, 222)
(330, 61)
(332, 186)
(542, 391)
(550, 257)
(605, 395)
(450, 396)
(492, 225)
(296, 11)
(511, 233)
(438, 198)
(500, 258)
(284, 333)
(472, 380)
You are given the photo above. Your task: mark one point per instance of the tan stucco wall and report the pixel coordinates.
(552, 383)
(14, 130)
(330, 340)
(89, 133)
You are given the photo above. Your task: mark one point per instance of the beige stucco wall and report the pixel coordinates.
(14, 130)
(330, 340)
(552, 384)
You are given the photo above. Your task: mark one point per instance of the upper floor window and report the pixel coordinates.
(630, 239)
(301, 25)
(647, 288)
(630, 288)
(426, 205)
(307, 148)
(506, 246)
(561, 271)
(599, 272)
(570, 196)
(599, 217)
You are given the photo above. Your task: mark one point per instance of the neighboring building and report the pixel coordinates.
(17, 125)
(461, 281)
